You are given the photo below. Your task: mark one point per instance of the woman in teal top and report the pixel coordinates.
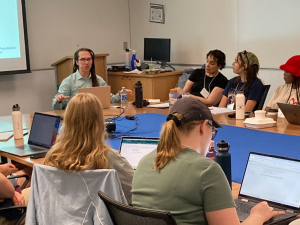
(177, 177)
(83, 76)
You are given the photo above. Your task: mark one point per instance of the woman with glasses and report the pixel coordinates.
(246, 66)
(177, 177)
(83, 76)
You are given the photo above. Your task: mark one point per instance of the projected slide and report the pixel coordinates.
(9, 30)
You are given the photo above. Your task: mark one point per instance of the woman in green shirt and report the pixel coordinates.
(177, 177)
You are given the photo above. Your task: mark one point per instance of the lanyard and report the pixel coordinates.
(209, 83)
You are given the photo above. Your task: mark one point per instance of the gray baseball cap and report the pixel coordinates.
(192, 109)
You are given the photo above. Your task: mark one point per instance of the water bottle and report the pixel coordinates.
(240, 105)
(133, 59)
(127, 59)
(138, 94)
(17, 122)
(223, 158)
(173, 97)
(211, 151)
(123, 95)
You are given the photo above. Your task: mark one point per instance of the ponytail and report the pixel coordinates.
(169, 145)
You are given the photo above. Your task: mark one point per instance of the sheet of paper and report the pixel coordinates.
(134, 71)
(217, 110)
(160, 106)
(5, 136)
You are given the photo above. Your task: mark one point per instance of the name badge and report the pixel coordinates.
(230, 106)
(204, 93)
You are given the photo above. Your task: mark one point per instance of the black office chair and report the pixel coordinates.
(263, 98)
(22, 207)
(123, 214)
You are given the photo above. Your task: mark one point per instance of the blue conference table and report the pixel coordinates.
(241, 140)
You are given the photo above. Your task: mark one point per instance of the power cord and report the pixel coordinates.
(113, 134)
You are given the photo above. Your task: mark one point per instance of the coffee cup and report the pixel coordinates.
(272, 113)
(260, 114)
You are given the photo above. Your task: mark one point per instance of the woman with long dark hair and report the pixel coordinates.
(246, 66)
(83, 76)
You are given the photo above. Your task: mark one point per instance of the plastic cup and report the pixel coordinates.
(151, 66)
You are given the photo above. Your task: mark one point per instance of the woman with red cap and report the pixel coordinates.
(289, 92)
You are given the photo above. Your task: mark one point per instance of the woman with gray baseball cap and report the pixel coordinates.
(177, 177)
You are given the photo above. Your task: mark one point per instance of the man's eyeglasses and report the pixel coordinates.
(245, 53)
(85, 59)
(214, 130)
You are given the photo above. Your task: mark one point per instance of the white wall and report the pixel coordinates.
(56, 29)
(194, 26)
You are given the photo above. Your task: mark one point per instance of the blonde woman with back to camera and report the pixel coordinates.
(81, 146)
(177, 177)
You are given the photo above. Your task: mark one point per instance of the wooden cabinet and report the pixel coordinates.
(156, 86)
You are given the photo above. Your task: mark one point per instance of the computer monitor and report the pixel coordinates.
(157, 49)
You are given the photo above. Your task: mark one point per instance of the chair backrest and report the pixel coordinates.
(58, 197)
(263, 98)
(123, 214)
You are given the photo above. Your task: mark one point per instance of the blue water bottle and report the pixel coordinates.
(223, 157)
(133, 59)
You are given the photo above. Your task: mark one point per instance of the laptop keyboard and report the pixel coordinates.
(30, 148)
(246, 207)
(243, 207)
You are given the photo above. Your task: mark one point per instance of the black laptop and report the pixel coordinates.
(135, 148)
(42, 136)
(273, 179)
(291, 112)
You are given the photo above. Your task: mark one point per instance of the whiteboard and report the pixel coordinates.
(270, 29)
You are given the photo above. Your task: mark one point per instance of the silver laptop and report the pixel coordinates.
(135, 148)
(101, 92)
(273, 179)
(291, 112)
(42, 136)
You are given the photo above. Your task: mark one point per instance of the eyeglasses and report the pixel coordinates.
(245, 53)
(214, 130)
(85, 59)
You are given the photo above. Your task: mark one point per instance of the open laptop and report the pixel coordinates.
(101, 92)
(134, 148)
(291, 112)
(273, 179)
(43, 132)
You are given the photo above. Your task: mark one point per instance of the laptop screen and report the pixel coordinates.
(44, 129)
(134, 148)
(273, 179)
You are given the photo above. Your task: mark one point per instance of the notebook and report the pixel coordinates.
(134, 148)
(273, 179)
(42, 136)
(101, 92)
(291, 112)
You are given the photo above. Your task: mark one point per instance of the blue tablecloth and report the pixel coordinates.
(241, 140)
